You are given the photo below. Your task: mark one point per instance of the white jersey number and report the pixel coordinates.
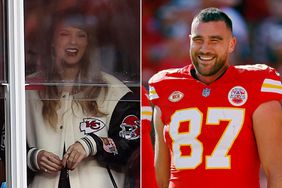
(219, 158)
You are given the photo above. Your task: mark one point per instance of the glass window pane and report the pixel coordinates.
(82, 93)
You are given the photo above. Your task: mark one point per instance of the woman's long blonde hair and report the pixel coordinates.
(50, 95)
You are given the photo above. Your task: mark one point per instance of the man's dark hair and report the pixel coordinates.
(213, 14)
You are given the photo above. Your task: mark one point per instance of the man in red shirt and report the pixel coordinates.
(215, 122)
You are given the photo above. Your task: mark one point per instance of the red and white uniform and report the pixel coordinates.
(208, 128)
(148, 170)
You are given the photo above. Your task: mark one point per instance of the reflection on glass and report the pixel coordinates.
(116, 33)
(82, 116)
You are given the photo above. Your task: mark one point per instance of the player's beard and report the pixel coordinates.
(219, 63)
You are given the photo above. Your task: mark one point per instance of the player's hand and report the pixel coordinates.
(74, 155)
(49, 162)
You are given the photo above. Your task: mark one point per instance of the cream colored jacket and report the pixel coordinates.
(41, 136)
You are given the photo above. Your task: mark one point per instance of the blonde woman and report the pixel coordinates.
(82, 124)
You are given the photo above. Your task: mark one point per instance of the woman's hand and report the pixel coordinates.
(74, 155)
(49, 162)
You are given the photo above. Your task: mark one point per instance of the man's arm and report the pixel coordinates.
(162, 158)
(267, 121)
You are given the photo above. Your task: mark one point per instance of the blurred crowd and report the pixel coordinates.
(166, 29)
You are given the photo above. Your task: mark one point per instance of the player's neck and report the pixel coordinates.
(210, 79)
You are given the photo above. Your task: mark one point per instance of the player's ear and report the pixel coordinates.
(190, 37)
(232, 44)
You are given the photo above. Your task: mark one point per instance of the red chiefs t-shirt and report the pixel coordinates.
(208, 128)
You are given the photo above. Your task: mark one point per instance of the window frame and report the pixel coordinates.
(16, 170)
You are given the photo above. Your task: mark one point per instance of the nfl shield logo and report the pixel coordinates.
(206, 92)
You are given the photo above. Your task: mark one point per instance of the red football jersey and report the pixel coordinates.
(148, 170)
(208, 128)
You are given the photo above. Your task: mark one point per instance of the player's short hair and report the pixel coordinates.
(213, 14)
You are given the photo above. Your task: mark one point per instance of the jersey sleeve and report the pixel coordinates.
(269, 87)
(146, 110)
(123, 135)
(155, 87)
(159, 82)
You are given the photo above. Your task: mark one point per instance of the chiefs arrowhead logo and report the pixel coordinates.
(90, 125)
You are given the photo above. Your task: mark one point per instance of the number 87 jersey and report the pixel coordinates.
(208, 128)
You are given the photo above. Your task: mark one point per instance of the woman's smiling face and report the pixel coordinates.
(70, 44)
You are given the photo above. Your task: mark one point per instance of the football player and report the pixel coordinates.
(216, 123)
